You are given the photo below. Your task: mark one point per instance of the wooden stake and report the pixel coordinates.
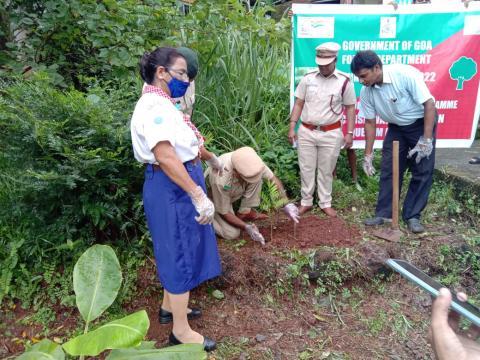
(395, 185)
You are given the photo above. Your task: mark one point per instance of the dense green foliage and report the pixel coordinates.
(69, 160)
(77, 39)
(68, 178)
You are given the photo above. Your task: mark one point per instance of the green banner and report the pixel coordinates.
(442, 41)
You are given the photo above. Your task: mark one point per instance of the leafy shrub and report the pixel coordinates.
(9, 248)
(68, 173)
(243, 83)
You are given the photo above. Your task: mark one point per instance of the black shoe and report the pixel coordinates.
(208, 344)
(377, 220)
(166, 317)
(414, 226)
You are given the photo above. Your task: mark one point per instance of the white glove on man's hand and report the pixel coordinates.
(216, 164)
(368, 164)
(292, 212)
(203, 205)
(423, 149)
(254, 233)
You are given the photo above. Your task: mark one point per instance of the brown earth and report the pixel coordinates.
(263, 316)
(311, 232)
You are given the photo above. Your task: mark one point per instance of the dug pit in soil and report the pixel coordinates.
(312, 231)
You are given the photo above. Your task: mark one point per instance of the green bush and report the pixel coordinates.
(243, 84)
(68, 176)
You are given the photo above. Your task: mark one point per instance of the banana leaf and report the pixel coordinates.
(178, 352)
(123, 333)
(44, 350)
(96, 280)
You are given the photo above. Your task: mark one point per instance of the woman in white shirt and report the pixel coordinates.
(178, 212)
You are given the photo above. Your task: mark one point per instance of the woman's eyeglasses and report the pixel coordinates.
(182, 74)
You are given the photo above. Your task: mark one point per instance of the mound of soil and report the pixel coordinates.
(312, 231)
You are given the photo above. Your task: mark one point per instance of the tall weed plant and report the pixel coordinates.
(243, 83)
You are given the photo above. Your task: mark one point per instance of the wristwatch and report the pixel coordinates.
(428, 140)
(350, 132)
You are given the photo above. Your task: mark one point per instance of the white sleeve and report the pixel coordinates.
(160, 125)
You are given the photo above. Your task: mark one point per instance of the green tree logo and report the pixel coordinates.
(463, 69)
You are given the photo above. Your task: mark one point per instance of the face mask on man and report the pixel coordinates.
(177, 87)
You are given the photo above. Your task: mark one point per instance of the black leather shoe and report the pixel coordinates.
(414, 226)
(374, 221)
(208, 344)
(166, 317)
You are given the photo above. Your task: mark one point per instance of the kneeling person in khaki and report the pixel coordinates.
(319, 99)
(242, 178)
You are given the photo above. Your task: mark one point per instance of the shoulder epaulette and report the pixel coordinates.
(347, 79)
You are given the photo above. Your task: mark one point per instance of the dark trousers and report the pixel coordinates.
(421, 181)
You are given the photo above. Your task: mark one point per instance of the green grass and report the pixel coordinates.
(230, 348)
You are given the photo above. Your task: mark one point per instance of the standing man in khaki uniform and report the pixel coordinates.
(320, 98)
(242, 178)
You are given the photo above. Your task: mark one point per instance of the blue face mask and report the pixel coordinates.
(177, 88)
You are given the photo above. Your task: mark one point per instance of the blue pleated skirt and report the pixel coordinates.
(186, 252)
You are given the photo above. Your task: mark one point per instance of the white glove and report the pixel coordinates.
(254, 233)
(216, 164)
(292, 212)
(368, 164)
(423, 149)
(203, 205)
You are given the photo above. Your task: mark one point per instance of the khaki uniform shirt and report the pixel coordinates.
(227, 189)
(186, 102)
(323, 94)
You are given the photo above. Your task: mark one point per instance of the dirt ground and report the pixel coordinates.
(264, 316)
(311, 232)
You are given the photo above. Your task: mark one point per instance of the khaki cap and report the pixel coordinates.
(326, 53)
(248, 164)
